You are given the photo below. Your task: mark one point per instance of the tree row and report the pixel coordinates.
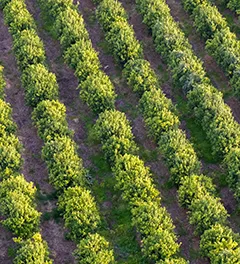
(188, 74)
(221, 43)
(17, 196)
(196, 192)
(65, 168)
(133, 178)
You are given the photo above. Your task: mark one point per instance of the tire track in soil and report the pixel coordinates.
(161, 174)
(215, 73)
(34, 168)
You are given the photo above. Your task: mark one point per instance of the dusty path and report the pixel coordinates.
(127, 102)
(34, 169)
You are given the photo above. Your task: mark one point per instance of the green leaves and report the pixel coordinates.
(17, 205)
(64, 166)
(140, 76)
(134, 180)
(122, 41)
(158, 112)
(69, 27)
(234, 5)
(40, 84)
(32, 251)
(11, 160)
(50, 119)
(179, 154)
(220, 244)
(83, 58)
(108, 12)
(208, 20)
(17, 17)
(112, 123)
(207, 211)
(160, 245)
(98, 92)
(94, 249)
(6, 123)
(79, 211)
(28, 49)
(195, 187)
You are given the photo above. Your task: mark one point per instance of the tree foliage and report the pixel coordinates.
(94, 249)
(64, 166)
(207, 211)
(39, 84)
(122, 41)
(220, 244)
(79, 212)
(17, 17)
(28, 49)
(98, 92)
(32, 251)
(50, 119)
(69, 27)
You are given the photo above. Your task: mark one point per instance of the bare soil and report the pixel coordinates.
(161, 174)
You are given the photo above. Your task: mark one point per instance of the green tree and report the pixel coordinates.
(50, 119)
(6, 123)
(64, 165)
(98, 92)
(11, 160)
(69, 27)
(108, 12)
(122, 40)
(149, 217)
(112, 123)
(79, 211)
(219, 241)
(21, 216)
(140, 76)
(207, 211)
(40, 84)
(158, 112)
(17, 17)
(19, 184)
(28, 49)
(160, 245)
(134, 180)
(82, 57)
(94, 249)
(179, 154)
(194, 187)
(2, 83)
(208, 20)
(32, 251)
